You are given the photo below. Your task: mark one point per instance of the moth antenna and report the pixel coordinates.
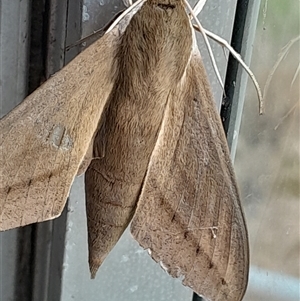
(198, 7)
(238, 57)
(201, 29)
(124, 13)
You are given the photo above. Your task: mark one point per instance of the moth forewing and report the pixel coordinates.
(44, 140)
(189, 214)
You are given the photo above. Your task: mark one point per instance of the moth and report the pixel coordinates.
(134, 111)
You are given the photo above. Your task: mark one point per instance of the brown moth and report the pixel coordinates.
(136, 110)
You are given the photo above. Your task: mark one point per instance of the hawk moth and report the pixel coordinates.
(135, 111)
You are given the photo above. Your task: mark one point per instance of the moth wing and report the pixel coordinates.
(189, 214)
(44, 140)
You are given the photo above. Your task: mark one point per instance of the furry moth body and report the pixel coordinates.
(138, 102)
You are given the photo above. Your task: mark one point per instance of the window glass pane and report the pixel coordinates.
(267, 159)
